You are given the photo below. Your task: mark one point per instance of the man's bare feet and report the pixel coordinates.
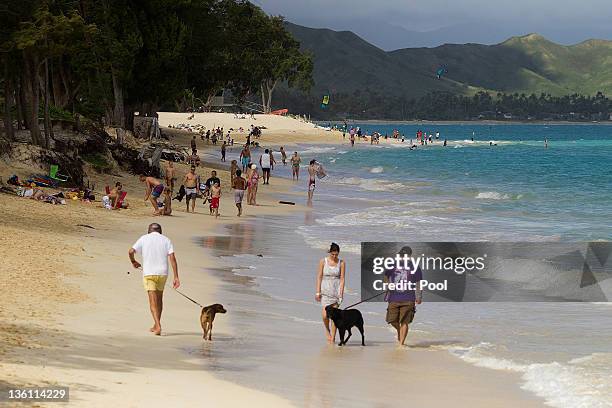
(156, 330)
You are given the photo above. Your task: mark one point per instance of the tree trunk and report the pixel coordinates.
(119, 109)
(8, 97)
(263, 98)
(31, 93)
(271, 84)
(60, 94)
(19, 102)
(48, 129)
(129, 118)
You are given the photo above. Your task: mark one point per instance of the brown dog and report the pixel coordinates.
(208, 316)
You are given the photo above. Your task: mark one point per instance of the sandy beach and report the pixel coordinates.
(73, 316)
(277, 130)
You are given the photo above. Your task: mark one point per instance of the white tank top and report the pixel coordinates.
(331, 271)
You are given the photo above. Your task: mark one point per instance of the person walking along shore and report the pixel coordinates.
(157, 252)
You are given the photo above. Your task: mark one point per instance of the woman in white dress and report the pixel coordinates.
(330, 286)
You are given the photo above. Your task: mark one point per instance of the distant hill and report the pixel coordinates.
(345, 63)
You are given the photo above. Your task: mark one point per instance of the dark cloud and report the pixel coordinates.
(394, 24)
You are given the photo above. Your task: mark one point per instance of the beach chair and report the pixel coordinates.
(53, 173)
(41, 181)
(120, 199)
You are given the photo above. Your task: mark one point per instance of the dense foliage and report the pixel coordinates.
(106, 59)
(369, 104)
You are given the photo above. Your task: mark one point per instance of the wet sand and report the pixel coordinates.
(76, 318)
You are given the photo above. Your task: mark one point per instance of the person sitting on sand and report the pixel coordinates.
(295, 166)
(330, 286)
(190, 181)
(401, 308)
(239, 184)
(114, 195)
(156, 251)
(154, 189)
(215, 198)
(252, 183)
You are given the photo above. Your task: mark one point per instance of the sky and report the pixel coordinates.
(393, 24)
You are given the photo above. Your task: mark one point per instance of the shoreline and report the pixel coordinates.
(101, 347)
(99, 366)
(463, 122)
(288, 332)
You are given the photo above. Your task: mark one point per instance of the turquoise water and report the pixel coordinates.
(515, 190)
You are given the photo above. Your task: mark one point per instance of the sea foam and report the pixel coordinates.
(578, 383)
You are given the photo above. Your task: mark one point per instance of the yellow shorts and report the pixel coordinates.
(154, 282)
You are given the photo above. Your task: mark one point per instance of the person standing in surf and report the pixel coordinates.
(330, 286)
(245, 157)
(295, 166)
(402, 303)
(313, 167)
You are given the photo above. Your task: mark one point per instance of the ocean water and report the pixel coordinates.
(467, 191)
(516, 190)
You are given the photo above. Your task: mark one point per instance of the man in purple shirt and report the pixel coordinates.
(401, 308)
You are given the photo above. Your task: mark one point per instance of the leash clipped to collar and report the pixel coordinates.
(188, 298)
(365, 300)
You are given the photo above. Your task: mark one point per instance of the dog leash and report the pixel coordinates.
(365, 300)
(187, 297)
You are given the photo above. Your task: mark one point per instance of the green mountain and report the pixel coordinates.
(345, 63)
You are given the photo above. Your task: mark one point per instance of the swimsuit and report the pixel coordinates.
(238, 196)
(190, 192)
(311, 184)
(214, 202)
(157, 191)
(245, 161)
(253, 179)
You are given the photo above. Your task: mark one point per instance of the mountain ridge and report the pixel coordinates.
(346, 63)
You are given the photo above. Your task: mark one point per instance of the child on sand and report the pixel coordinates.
(215, 196)
(239, 184)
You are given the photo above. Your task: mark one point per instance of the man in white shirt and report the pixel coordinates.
(266, 161)
(156, 250)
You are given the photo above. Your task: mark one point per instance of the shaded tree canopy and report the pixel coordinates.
(103, 60)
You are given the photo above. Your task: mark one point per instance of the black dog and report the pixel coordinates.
(344, 321)
(181, 193)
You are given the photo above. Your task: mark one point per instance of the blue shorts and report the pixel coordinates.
(245, 161)
(157, 191)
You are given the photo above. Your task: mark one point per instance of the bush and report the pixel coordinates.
(99, 162)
